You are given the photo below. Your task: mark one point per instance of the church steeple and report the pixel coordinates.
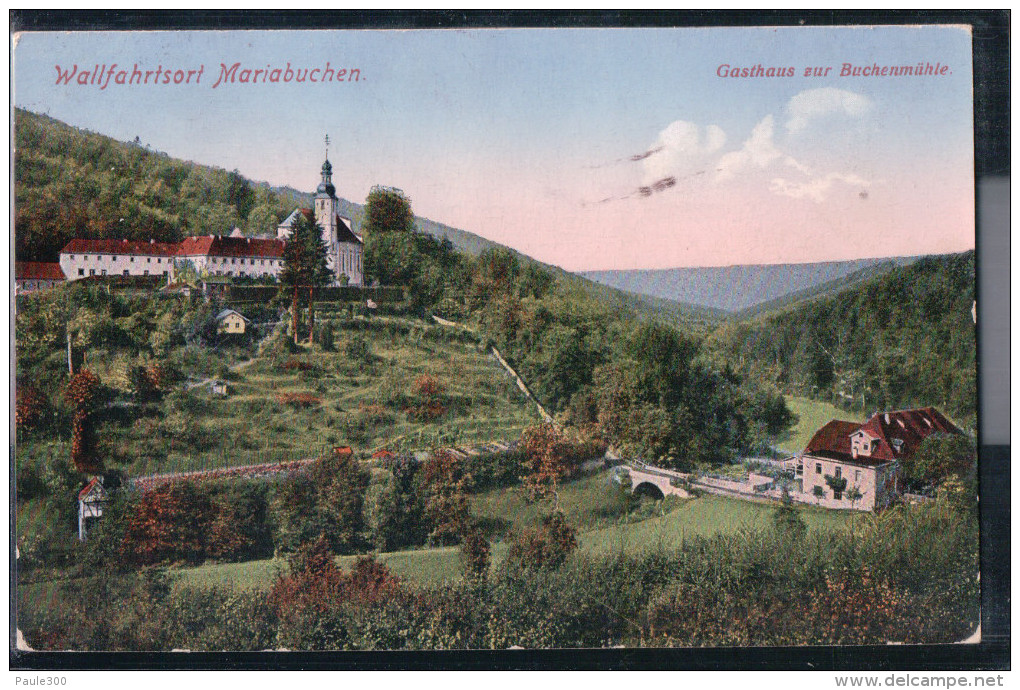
(326, 186)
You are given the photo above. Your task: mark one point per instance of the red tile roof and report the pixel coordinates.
(135, 247)
(216, 245)
(205, 245)
(88, 488)
(37, 270)
(909, 426)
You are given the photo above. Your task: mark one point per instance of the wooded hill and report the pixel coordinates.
(902, 339)
(75, 183)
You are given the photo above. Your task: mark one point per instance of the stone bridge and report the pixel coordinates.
(655, 482)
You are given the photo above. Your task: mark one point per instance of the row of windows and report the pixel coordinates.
(114, 257)
(127, 272)
(251, 262)
(818, 470)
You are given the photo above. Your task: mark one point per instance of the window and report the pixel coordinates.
(800, 469)
(838, 495)
(146, 273)
(72, 256)
(126, 272)
(839, 472)
(159, 261)
(92, 271)
(857, 476)
(818, 468)
(104, 271)
(132, 259)
(81, 271)
(148, 259)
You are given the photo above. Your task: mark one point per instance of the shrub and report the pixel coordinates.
(545, 547)
(31, 408)
(475, 555)
(357, 348)
(169, 524)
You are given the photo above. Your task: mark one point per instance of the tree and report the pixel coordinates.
(475, 554)
(546, 463)
(340, 484)
(447, 507)
(548, 546)
(787, 520)
(387, 210)
(937, 458)
(84, 393)
(304, 265)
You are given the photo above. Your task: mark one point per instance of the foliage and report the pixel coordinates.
(121, 190)
(31, 408)
(340, 483)
(476, 555)
(446, 505)
(786, 518)
(400, 510)
(545, 547)
(903, 339)
(84, 391)
(937, 458)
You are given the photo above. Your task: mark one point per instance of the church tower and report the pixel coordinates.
(327, 208)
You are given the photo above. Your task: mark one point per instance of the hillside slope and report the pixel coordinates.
(734, 288)
(902, 339)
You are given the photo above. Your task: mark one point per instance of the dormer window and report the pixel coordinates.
(897, 444)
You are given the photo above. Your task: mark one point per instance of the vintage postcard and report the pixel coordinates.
(494, 339)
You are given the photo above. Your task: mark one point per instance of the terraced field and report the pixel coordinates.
(361, 394)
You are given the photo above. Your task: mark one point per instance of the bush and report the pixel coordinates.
(545, 547)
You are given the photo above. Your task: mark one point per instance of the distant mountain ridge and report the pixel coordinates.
(736, 289)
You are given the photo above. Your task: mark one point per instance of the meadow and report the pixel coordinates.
(589, 503)
(811, 416)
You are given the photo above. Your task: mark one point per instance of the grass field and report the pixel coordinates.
(580, 500)
(811, 415)
(358, 401)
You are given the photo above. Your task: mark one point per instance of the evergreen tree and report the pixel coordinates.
(304, 265)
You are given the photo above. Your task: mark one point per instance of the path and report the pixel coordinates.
(506, 365)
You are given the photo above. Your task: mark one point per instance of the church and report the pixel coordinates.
(345, 250)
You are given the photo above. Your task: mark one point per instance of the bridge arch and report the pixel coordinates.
(649, 489)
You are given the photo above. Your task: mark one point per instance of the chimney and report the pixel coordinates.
(886, 417)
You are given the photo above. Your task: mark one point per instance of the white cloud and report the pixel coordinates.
(815, 189)
(758, 152)
(809, 105)
(683, 148)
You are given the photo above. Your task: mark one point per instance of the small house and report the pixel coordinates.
(230, 321)
(857, 466)
(90, 505)
(30, 276)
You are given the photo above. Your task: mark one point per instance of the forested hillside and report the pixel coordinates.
(903, 339)
(71, 183)
(742, 287)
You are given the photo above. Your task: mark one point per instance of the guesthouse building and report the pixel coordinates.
(857, 466)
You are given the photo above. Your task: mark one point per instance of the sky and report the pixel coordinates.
(584, 148)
